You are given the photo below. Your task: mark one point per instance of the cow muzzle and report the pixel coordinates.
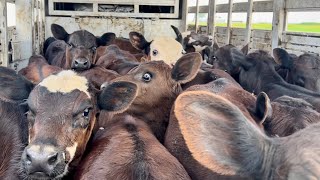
(43, 162)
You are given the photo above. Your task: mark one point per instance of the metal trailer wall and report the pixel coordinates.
(19, 42)
(297, 43)
(33, 26)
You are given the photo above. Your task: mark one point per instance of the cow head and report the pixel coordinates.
(157, 85)
(304, 70)
(221, 139)
(192, 41)
(161, 48)
(61, 117)
(82, 45)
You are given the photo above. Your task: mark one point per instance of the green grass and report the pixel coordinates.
(303, 27)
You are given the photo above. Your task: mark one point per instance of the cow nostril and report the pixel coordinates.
(29, 159)
(85, 63)
(76, 63)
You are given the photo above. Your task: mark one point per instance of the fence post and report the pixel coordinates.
(212, 17)
(185, 10)
(228, 35)
(249, 23)
(197, 17)
(278, 22)
(3, 35)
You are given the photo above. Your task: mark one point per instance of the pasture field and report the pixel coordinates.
(303, 27)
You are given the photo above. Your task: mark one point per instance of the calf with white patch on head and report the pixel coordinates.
(62, 114)
(160, 48)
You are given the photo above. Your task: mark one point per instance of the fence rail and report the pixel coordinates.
(262, 39)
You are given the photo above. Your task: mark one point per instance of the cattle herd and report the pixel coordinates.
(114, 108)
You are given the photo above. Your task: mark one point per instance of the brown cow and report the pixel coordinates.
(98, 75)
(127, 148)
(160, 48)
(221, 139)
(158, 86)
(62, 114)
(255, 110)
(117, 60)
(74, 51)
(13, 130)
(38, 69)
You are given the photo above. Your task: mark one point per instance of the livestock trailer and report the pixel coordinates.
(25, 24)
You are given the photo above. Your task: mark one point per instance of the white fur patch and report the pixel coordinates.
(185, 34)
(72, 150)
(199, 48)
(66, 82)
(169, 50)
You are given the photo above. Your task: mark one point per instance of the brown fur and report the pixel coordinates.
(57, 121)
(127, 149)
(99, 75)
(175, 142)
(13, 129)
(155, 98)
(117, 60)
(220, 138)
(38, 69)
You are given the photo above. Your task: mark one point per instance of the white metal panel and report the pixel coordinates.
(121, 27)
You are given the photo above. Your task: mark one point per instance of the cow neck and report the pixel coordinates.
(155, 115)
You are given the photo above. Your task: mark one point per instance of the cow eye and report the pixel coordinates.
(147, 77)
(70, 45)
(155, 52)
(86, 113)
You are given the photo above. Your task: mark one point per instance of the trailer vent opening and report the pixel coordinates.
(73, 7)
(156, 9)
(125, 8)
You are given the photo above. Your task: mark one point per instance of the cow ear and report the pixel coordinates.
(178, 33)
(138, 41)
(239, 59)
(283, 58)
(117, 96)
(245, 49)
(186, 68)
(263, 107)
(59, 32)
(218, 135)
(106, 39)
